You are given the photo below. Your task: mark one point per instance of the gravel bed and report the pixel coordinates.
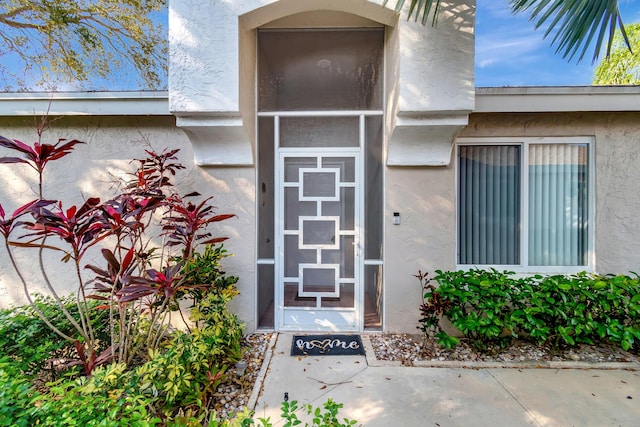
(408, 348)
(234, 393)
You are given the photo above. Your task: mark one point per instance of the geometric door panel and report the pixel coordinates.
(319, 238)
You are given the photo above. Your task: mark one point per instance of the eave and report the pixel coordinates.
(531, 99)
(550, 99)
(143, 103)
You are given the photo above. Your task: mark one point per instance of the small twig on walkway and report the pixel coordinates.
(328, 384)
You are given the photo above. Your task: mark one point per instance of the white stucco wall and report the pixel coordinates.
(429, 91)
(234, 190)
(424, 240)
(424, 196)
(429, 72)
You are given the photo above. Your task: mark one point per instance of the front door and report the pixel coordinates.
(319, 239)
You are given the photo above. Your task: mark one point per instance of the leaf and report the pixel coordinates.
(419, 9)
(577, 23)
(12, 160)
(128, 259)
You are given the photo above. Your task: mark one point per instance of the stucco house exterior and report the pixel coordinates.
(355, 150)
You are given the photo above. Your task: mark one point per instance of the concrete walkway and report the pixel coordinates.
(376, 394)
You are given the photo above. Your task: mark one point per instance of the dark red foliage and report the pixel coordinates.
(110, 280)
(8, 224)
(40, 154)
(90, 361)
(185, 223)
(151, 174)
(80, 227)
(157, 283)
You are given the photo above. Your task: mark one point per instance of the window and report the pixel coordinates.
(525, 204)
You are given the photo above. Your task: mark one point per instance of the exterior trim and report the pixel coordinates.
(526, 99)
(544, 99)
(147, 103)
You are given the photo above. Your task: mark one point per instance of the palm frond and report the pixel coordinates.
(577, 24)
(420, 10)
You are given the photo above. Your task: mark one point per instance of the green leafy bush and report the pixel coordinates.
(489, 308)
(32, 344)
(205, 268)
(65, 404)
(185, 372)
(182, 374)
(16, 395)
(98, 402)
(481, 305)
(191, 367)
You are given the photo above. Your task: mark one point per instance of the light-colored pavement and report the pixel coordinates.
(378, 395)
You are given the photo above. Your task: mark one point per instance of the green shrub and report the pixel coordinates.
(32, 344)
(16, 395)
(481, 305)
(490, 307)
(205, 268)
(95, 402)
(185, 372)
(188, 372)
(556, 311)
(182, 374)
(65, 404)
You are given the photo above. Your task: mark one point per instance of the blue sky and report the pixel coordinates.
(510, 53)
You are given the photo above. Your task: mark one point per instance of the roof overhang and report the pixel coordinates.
(529, 99)
(550, 99)
(145, 103)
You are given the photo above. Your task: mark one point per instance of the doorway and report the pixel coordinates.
(320, 180)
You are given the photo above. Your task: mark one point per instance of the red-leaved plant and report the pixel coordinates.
(137, 295)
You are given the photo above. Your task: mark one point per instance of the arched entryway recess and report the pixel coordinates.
(315, 86)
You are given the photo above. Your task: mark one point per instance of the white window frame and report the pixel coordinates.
(524, 142)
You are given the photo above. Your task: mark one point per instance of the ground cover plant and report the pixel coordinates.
(490, 308)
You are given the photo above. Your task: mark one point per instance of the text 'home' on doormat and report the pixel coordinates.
(327, 345)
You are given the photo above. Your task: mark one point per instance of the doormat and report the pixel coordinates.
(327, 345)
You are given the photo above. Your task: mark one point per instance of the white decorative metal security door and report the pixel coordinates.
(318, 228)
(320, 178)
